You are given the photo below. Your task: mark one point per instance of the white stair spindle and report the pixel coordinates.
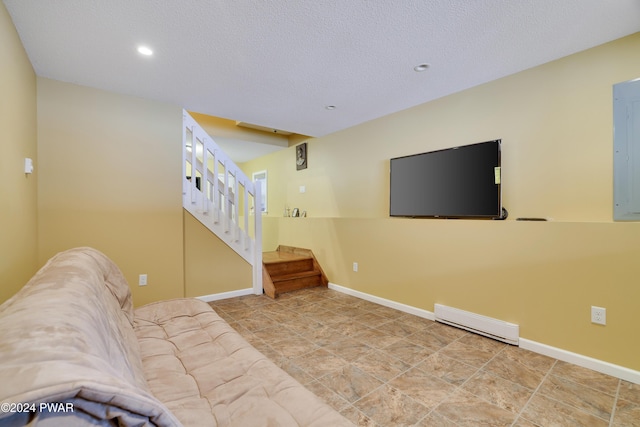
(216, 189)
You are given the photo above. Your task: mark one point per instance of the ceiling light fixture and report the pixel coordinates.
(420, 68)
(330, 107)
(144, 50)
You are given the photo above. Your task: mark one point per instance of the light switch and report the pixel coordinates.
(28, 165)
(303, 189)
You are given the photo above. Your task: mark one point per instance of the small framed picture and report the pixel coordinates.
(301, 156)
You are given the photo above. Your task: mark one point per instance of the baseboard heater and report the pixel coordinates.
(483, 325)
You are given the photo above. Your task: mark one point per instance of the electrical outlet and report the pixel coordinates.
(598, 315)
(142, 280)
(355, 267)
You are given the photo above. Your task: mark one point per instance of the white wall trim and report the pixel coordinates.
(382, 301)
(547, 350)
(581, 360)
(226, 295)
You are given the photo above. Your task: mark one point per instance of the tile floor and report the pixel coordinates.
(382, 367)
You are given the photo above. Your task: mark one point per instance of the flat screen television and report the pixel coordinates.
(459, 182)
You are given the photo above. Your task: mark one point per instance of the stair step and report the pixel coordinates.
(297, 283)
(294, 276)
(281, 256)
(278, 264)
(289, 269)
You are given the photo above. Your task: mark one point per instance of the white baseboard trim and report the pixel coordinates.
(382, 301)
(581, 360)
(225, 295)
(557, 353)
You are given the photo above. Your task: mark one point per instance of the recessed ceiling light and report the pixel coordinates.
(420, 67)
(144, 50)
(330, 107)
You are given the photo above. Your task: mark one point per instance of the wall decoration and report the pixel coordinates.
(301, 156)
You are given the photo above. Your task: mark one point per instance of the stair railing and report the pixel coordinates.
(217, 193)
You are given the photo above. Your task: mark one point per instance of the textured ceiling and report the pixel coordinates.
(278, 63)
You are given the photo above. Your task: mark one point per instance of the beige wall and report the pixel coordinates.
(18, 191)
(219, 127)
(556, 125)
(110, 177)
(211, 267)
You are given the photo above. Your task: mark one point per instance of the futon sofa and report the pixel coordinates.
(73, 351)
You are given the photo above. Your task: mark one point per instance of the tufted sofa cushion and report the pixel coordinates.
(208, 375)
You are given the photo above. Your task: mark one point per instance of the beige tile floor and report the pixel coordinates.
(382, 367)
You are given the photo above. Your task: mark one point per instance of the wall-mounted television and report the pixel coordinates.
(458, 182)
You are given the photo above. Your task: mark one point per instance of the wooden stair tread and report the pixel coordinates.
(278, 257)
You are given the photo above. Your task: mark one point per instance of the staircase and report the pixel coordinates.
(221, 196)
(290, 269)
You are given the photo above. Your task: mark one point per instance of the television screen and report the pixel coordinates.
(459, 182)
